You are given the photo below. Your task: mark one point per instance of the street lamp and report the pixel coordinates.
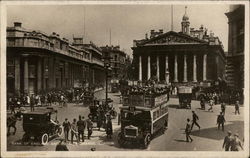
(106, 66)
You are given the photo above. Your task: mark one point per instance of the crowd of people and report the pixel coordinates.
(77, 128)
(49, 98)
(149, 88)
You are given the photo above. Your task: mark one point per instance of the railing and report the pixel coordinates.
(98, 62)
(38, 43)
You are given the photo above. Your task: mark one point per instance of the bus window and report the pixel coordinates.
(158, 113)
(154, 115)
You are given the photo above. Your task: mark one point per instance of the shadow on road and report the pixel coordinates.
(180, 140)
(107, 141)
(214, 133)
(173, 106)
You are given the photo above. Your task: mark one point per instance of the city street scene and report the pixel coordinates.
(125, 78)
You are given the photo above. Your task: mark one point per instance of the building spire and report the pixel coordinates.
(185, 9)
(172, 23)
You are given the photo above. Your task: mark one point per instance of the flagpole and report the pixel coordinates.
(172, 23)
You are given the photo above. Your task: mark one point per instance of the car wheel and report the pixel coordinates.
(146, 141)
(59, 131)
(44, 139)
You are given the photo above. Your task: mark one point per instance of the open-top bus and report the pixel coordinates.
(142, 116)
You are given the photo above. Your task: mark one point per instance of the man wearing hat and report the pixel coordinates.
(228, 141)
(81, 126)
(188, 131)
(220, 121)
(236, 143)
(195, 118)
(61, 146)
(237, 107)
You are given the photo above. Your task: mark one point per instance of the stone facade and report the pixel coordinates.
(117, 61)
(39, 62)
(189, 56)
(235, 56)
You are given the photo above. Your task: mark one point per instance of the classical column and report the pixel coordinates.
(175, 69)
(194, 70)
(93, 76)
(17, 75)
(185, 69)
(39, 74)
(140, 69)
(149, 68)
(26, 75)
(166, 70)
(204, 67)
(51, 74)
(158, 68)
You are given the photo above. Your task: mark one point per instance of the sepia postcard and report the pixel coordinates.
(102, 79)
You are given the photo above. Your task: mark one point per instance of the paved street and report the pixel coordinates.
(207, 139)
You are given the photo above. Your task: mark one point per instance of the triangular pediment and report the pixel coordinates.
(172, 38)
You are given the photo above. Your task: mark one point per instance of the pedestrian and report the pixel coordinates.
(227, 144)
(223, 108)
(81, 127)
(211, 104)
(74, 131)
(99, 118)
(36, 100)
(109, 128)
(32, 103)
(236, 143)
(66, 128)
(89, 127)
(237, 107)
(61, 146)
(28, 100)
(202, 103)
(195, 118)
(188, 131)
(220, 121)
(12, 107)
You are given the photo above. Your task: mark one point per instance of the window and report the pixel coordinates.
(154, 115)
(158, 113)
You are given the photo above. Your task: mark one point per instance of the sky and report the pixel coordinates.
(125, 22)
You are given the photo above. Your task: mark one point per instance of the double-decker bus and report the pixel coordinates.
(142, 116)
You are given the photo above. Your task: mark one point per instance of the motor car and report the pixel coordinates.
(41, 126)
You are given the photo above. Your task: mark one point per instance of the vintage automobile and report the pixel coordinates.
(41, 126)
(88, 98)
(185, 96)
(142, 117)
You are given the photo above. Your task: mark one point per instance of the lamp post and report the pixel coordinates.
(106, 66)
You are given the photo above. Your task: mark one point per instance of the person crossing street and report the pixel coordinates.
(66, 128)
(195, 118)
(223, 108)
(81, 127)
(188, 131)
(227, 144)
(237, 107)
(89, 127)
(74, 131)
(211, 104)
(220, 121)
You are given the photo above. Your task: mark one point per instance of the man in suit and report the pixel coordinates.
(81, 127)
(195, 118)
(188, 131)
(220, 121)
(66, 128)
